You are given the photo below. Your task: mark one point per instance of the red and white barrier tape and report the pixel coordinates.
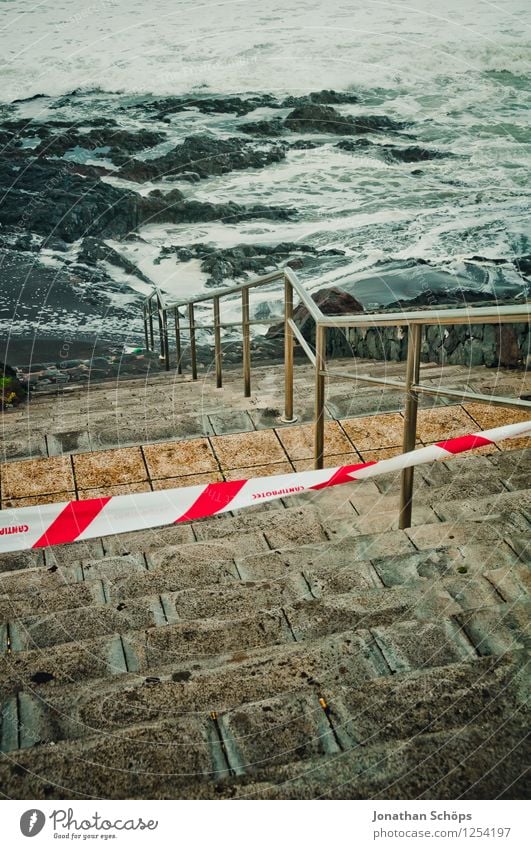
(54, 524)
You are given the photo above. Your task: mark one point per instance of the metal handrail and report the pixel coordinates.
(413, 319)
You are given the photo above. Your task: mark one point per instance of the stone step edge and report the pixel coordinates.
(11, 707)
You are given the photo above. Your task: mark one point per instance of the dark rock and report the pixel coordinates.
(455, 297)
(295, 264)
(236, 262)
(332, 301)
(508, 351)
(273, 127)
(304, 144)
(378, 124)
(93, 250)
(50, 199)
(523, 265)
(325, 119)
(204, 155)
(42, 677)
(184, 675)
(409, 154)
(490, 260)
(30, 99)
(391, 153)
(212, 105)
(191, 211)
(327, 96)
(319, 119)
(355, 145)
(121, 143)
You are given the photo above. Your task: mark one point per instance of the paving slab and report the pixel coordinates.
(489, 416)
(68, 442)
(497, 504)
(186, 457)
(240, 450)
(231, 422)
(402, 569)
(114, 437)
(412, 645)
(298, 440)
(34, 500)
(153, 539)
(271, 732)
(511, 583)
(443, 423)
(371, 455)
(109, 468)
(361, 402)
(18, 447)
(496, 630)
(330, 461)
(18, 560)
(452, 695)
(25, 478)
(375, 432)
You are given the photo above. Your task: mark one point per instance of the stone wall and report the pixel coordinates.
(490, 345)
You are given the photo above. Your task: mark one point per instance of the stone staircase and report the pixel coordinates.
(300, 649)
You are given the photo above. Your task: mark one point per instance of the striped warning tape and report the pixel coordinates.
(54, 524)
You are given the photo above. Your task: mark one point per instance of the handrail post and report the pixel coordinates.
(217, 344)
(160, 311)
(146, 331)
(410, 423)
(191, 321)
(166, 341)
(288, 416)
(178, 341)
(246, 344)
(151, 333)
(320, 365)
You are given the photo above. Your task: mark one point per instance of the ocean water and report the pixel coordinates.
(459, 71)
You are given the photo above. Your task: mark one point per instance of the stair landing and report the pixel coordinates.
(137, 436)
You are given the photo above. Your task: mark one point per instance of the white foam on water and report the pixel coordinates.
(232, 45)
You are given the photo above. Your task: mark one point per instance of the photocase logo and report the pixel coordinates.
(32, 822)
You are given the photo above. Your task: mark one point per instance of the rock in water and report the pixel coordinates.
(331, 301)
(51, 199)
(316, 118)
(335, 301)
(205, 156)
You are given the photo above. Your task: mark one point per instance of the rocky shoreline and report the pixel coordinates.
(70, 188)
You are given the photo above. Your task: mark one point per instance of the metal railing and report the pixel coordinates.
(414, 320)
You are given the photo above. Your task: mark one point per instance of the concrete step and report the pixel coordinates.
(219, 602)
(492, 507)
(263, 747)
(129, 597)
(66, 708)
(470, 762)
(406, 630)
(71, 710)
